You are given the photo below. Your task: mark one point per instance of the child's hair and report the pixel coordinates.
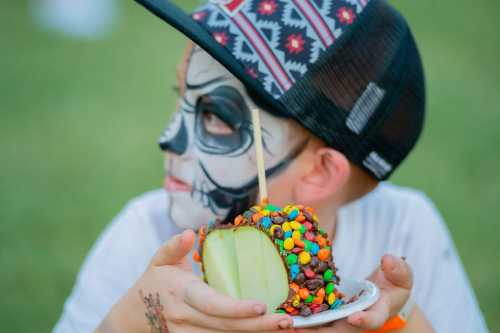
(348, 71)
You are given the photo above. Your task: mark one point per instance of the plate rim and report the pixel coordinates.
(332, 315)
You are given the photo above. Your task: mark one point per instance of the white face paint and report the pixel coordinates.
(210, 165)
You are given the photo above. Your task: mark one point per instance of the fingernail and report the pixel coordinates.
(259, 309)
(285, 323)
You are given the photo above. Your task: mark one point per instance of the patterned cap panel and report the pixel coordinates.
(278, 40)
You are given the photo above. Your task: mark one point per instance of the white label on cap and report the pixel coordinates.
(364, 108)
(378, 165)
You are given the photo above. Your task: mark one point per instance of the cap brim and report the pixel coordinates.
(179, 20)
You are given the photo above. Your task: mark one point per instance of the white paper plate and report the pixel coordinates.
(369, 295)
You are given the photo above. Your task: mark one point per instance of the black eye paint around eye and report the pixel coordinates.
(228, 105)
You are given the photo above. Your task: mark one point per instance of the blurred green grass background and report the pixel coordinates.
(79, 121)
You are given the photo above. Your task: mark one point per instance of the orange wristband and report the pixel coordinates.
(398, 322)
(395, 323)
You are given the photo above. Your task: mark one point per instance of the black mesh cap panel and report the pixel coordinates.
(365, 97)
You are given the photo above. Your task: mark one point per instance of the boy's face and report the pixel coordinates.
(210, 165)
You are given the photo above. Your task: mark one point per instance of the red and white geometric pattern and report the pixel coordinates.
(277, 40)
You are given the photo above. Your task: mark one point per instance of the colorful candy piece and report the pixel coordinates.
(196, 256)
(294, 271)
(330, 287)
(266, 222)
(296, 234)
(309, 273)
(336, 304)
(299, 243)
(314, 249)
(304, 293)
(238, 220)
(293, 214)
(272, 208)
(273, 229)
(288, 244)
(295, 287)
(291, 259)
(328, 275)
(304, 258)
(318, 300)
(321, 241)
(331, 298)
(323, 254)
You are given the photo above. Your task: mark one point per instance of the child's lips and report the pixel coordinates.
(173, 184)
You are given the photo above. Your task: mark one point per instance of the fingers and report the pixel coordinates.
(190, 316)
(173, 251)
(374, 317)
(213, 310)
(206, 300)
(397, 271)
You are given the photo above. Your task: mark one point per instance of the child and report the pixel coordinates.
(342, 88)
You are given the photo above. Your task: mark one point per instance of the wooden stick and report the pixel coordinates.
(259, 154)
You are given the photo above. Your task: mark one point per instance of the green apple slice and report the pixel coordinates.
(261, 269)
(220, 263)
(244, 263)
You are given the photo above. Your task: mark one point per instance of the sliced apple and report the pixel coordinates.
(245, 264)
(261, 269)
(220, 263)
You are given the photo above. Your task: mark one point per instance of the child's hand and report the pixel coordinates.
(394, 278)
(169, 295)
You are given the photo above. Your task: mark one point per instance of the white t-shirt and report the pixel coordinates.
(390, 219)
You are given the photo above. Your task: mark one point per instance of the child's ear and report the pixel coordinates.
(327, 174)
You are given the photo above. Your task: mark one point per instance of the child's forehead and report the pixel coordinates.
(200, 67)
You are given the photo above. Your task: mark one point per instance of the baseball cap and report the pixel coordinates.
(349, 71)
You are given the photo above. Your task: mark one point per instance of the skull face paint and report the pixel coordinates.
(210, 165)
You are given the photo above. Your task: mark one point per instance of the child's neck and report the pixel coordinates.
(358, 185)
(328, 218)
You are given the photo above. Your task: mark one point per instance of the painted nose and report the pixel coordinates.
(175, 137)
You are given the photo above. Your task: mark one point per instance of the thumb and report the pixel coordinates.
(174, 250)
(397, 271)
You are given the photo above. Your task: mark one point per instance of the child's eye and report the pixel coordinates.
(215, 125)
